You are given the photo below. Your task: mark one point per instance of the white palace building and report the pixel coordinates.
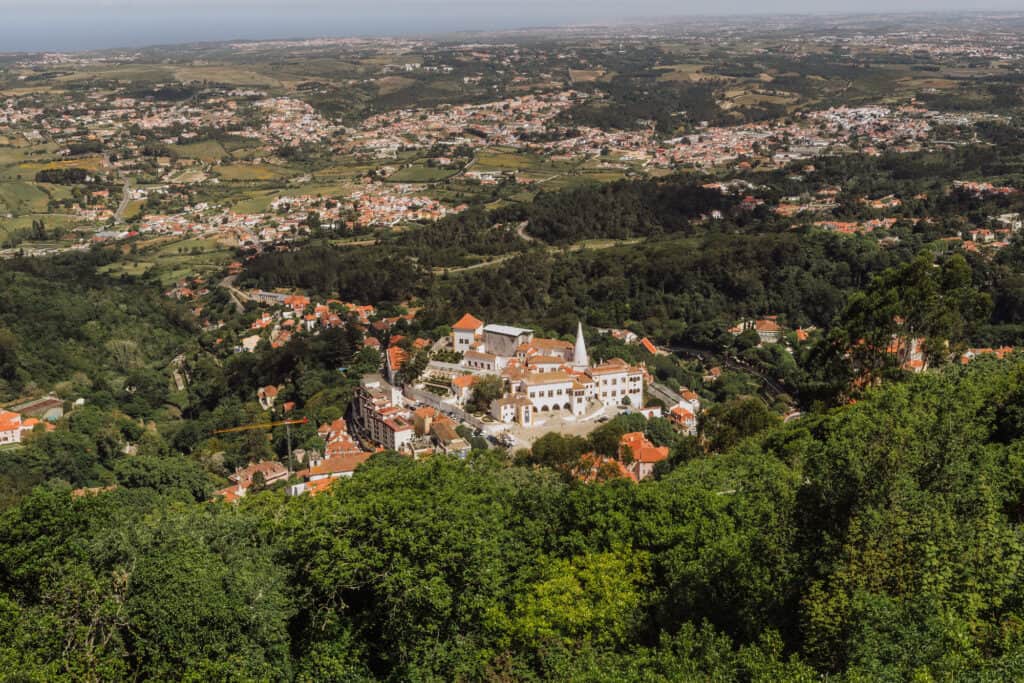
(544, 375)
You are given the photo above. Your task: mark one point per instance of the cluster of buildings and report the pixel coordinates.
(296, 314)
(340, 457)
(972, 353)
(544, 375)
(387, 204)
(983, 189)
(291, 122)
(502, 122)
(392, 421)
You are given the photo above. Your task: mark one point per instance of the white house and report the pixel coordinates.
(465, 332)
(13, 428)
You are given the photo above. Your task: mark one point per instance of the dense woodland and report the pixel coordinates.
(62, 322)
(880, 541)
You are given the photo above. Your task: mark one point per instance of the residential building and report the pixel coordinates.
(640, 455)
(381, 413)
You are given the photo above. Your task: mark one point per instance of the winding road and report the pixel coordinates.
(237, 295)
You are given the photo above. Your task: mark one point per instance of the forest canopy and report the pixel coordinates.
(878, 541)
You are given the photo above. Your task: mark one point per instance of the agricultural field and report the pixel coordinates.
(683, 72)
(225, 74)
(585, 75)
(249, 172)
(421, 174)
(207, 150)
(19, 198)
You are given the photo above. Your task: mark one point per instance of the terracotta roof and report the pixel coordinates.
(648, 345)
(614, 365)
(643, 450)
(340, 464)
(9, 421)
(767, 325)
(468, 323)
(397, 357)
(591, 465)
(268, 468)
(549, 344)
(549, 378)
(545, 360)
(319, 486)
(682, 414)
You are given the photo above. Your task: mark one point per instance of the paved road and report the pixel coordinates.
(496, 261)
(123, 206)
(660, 391)
(237, 295)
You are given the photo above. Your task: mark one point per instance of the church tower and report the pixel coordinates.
(580, 360)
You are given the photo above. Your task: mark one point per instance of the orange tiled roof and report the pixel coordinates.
(468, 323)
(339, 464)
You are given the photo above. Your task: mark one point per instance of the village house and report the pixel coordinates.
(13, 427)
(640, 455)
(683, 415)
(243, 478)
(768, 329)
(267, 396)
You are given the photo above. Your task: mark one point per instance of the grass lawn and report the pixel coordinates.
(681, 72)
(349, 171)
(128, 72)
(498, 159)
(133, 268)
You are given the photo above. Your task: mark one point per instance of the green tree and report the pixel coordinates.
(486, 389)
(726, 424)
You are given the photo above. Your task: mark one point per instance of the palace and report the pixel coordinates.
(544, 375)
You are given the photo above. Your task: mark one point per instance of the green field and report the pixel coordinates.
(133, 209)
(420, 174)
(254, 202)
(247, 172)
(21, 198)
(207, 150)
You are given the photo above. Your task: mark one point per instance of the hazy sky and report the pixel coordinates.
(83, 24)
